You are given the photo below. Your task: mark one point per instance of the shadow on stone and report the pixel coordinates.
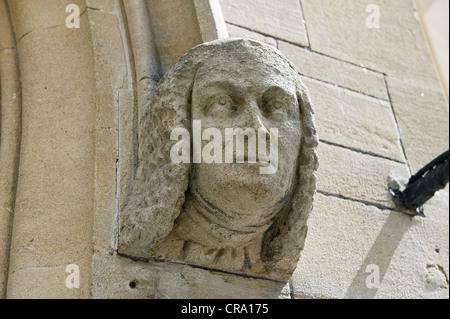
(380, 255)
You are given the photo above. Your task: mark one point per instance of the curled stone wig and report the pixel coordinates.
(159, 187)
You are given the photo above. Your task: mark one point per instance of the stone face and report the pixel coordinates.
(268, 17)
(334, 71)
(234, 217)
(355, 120)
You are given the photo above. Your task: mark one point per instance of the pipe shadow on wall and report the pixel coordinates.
(380, 255)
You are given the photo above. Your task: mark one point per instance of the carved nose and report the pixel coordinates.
(253, 116)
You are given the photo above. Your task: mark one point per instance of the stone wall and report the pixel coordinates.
(380, 108)
(435, 16)
(70, 128)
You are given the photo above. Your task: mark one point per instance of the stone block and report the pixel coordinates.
(54, 199)
(238, 32)
(210, 20)
(50, 282)
(355, 175)
(110, 66)
(111, 71)
(398, 47)
(348, 242)
(105, 181)
(331, 70)
(175, 29)
(423, 119)
(32, 18)
(7, 40)
(102, 5)
(58, 116)
(165, 280)
(281, 19)
(355, 120)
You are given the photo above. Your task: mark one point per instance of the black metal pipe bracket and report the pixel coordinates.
(423, 185)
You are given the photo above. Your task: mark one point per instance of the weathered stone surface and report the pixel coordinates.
(234, 217)
(345, 238)
(423, 118)
(111, 75)
(166, 280)
(102, 5)
(268, 17)
(37, 281)
(437, 207)
(334, 71)
(111, 72)
(398, 47)
(54, 201)
(434, 16)
(355, 120)
(175, 29)
(238, 32)
(10, 133)
(356, 175)
(54, 15)
(210, 20)
(79, 85)
(6, 35)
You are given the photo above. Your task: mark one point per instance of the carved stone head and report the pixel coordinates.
(242, 212)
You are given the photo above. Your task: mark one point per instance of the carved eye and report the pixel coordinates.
(221, 103)
(276, 107)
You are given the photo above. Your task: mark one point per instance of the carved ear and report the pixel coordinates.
(158, 189)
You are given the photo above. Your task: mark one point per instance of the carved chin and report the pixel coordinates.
(245, 203)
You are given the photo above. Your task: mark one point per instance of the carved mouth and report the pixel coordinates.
(260, 161)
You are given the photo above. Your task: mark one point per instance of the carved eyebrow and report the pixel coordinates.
(277, 90)
(235, 92)
(225, 85)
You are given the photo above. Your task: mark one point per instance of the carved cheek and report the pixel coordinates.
(289, 144)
